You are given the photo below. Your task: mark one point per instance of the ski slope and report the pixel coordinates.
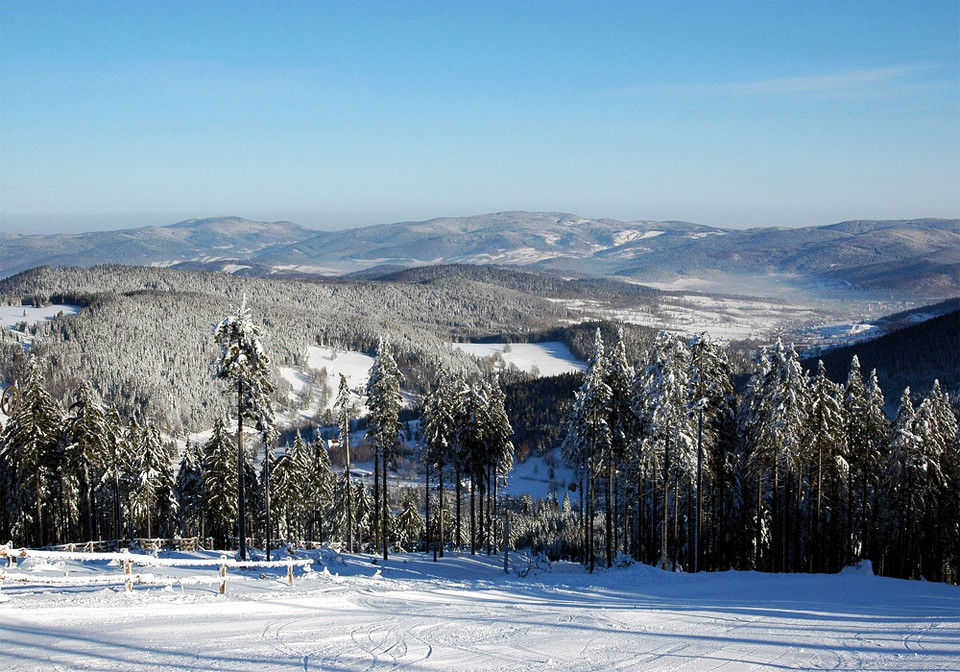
(348, 613)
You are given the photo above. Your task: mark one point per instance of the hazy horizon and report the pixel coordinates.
(54, 225)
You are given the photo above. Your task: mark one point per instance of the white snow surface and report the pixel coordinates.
(72, 611)
(354, 365)
(13, 315)
(546, 359)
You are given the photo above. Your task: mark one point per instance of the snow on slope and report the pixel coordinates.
(10, 316)
(547, 359)
(354, 365)
(463, 613)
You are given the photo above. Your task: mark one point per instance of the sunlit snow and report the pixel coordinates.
(353, 612)
(544, 359)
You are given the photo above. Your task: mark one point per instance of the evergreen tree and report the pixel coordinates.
(588, 438)
(220, 483)
(30, 445)
(190, 491)
(87, 432)
(115, 479)
(244, 364)
(383, 426)
(622, 424)
(828, 466)
(290, 477)
(154, 479)
(774, 426)
(711, 390)
(344, 407)
(472, 437)
(664, 402)
(409, 525)
(319, 488)
(439, 430)
(913, 473)
(499, 448)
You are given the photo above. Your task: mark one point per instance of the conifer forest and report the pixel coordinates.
(684, 454)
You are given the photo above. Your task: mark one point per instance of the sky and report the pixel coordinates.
(343, 114)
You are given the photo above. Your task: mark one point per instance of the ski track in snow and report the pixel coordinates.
(463, 613)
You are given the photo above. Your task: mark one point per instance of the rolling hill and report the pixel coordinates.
(915, 259)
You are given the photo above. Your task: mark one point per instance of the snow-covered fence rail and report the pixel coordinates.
(47, 568)
(143, 560)
(146, 543)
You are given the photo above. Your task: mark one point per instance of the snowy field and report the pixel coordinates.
(544, 359)
(345, 613)
(11, 316)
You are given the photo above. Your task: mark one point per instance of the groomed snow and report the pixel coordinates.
(545, 359)
(346, 613)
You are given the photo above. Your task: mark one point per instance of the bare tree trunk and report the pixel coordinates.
(666, 499)
(385, 518)
(241, 495)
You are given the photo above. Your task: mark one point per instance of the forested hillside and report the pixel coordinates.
(673, 463)
(143, 336)
(911, 357)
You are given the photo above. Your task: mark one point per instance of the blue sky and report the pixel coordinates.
(338, 114)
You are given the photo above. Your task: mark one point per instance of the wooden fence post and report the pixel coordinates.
(290, 572)
(126, 571)
(223, 574)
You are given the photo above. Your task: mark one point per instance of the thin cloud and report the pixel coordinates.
(879, 81)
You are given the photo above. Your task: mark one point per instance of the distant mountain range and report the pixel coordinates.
(908, 258)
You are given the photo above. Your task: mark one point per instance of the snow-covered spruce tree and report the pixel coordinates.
(344, 500)
(774, 423)
(712, 399)
(244, 364)
(115, 481)
(439, 430)
(319, 490)
(472, 437)
(31, 446)
(912, 474)
(664, 403)
(937, 427)
(220, 483)
(190, 492)
(588, 440)
(865, 428)
(944, 431)
(499, 450)
(289, 494)
(87, 433)
(364, 509)
(383, 426)
(409, 525)
(152, 498)
(826, 463)
(623, 424)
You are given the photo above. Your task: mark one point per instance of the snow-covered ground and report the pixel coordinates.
(463, 613)
(539, 477)
(11, 316)
(354, 365)
(723, 317)
(544, 359)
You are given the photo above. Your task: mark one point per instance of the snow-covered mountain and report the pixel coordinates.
(905, 257)
(192, 240)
